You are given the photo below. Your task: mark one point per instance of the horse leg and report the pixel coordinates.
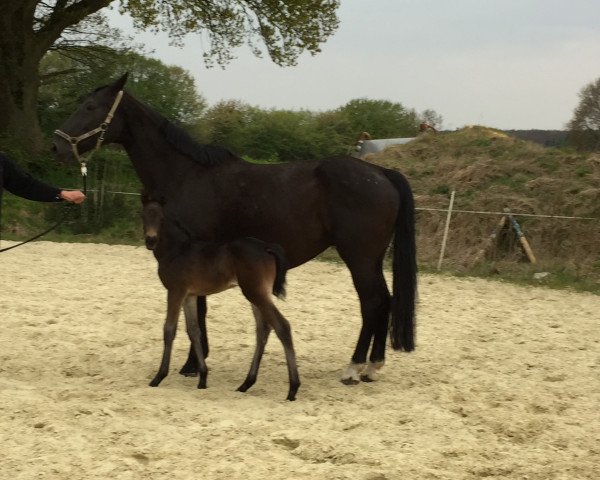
(283, 330)
(263, 330)
(377, 357)
(374, 298)
(190, 367)
(195, 335)
(174, 301)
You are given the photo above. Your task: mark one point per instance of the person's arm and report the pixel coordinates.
(22, 184)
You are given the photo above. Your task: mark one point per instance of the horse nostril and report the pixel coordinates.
(150, 243)
(53, 148)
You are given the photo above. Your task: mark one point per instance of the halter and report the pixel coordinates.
(101, 129)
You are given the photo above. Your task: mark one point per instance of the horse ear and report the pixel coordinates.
(120, 83)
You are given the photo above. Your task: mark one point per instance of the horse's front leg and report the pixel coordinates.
(174, 301)
(194, 333)
(190, 367)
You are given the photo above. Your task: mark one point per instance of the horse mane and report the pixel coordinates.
(180, 140)
(205, 155)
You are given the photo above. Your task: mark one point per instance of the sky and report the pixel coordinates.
(506, 64)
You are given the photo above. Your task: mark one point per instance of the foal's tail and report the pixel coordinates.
(404, 267)
(281, 267)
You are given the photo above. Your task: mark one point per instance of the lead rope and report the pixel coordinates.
(68, 211)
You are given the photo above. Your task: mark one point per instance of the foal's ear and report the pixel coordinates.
(120, 83)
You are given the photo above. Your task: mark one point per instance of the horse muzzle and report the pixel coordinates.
(151, 242)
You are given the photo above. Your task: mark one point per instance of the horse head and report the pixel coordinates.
(152, 218)
(95, 121)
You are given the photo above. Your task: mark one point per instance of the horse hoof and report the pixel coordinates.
(154, 383)
(367, 379)
(351, 375)
(187, 371)
(350, 381)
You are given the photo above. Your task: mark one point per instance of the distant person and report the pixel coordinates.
(425, 127)
(359, 142)
(18, 182)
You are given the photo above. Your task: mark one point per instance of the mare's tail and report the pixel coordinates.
(404, 267)
(281, 267)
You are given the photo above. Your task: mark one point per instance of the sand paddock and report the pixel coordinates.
(504, 383)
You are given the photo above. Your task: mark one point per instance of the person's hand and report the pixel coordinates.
(74, 196)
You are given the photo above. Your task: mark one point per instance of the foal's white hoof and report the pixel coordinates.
(351, 375)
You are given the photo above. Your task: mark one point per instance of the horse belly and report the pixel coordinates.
(205, 287)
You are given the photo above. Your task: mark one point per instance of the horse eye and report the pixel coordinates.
(90, 106)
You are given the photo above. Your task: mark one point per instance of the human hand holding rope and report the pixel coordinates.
(73, 196)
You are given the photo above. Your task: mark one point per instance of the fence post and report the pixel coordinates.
(446, 228)
(521, 236)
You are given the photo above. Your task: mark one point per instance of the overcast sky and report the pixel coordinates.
(508, 64)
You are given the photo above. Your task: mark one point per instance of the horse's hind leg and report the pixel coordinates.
(190, 367)
(283, 330)
(262, 335)
(374, 299)
(194, 333)
(174, 301)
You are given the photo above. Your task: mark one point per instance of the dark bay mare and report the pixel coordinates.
(305, 207)
(188, 268)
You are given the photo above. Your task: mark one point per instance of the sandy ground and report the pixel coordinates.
(504, 384)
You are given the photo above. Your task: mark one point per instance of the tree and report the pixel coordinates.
(30, 28)
(223, 124)
(273, 135)
(381, 118)
(584, 127)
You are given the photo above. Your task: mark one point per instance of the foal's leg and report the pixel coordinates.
(283, 330)
(174, 301)
(190, 367)
(262, 335)
(194, 333)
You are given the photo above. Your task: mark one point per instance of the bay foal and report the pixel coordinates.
(188, 268)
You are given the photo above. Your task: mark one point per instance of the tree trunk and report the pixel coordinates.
(20, 55)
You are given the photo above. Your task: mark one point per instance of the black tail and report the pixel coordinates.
(281, 268)
(404, 268)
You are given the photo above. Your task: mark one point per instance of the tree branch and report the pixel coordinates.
(47, 78)
(64, 17)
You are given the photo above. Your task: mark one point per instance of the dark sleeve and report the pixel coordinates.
(22, 184)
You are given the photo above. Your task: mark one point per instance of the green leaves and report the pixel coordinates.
(282, 29)
(381, 118)
(169, 89)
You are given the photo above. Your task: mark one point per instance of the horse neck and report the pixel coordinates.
(158, 165)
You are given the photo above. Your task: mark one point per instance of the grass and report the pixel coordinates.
(522, 274)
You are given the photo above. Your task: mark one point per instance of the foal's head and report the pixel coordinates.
(152, 217)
